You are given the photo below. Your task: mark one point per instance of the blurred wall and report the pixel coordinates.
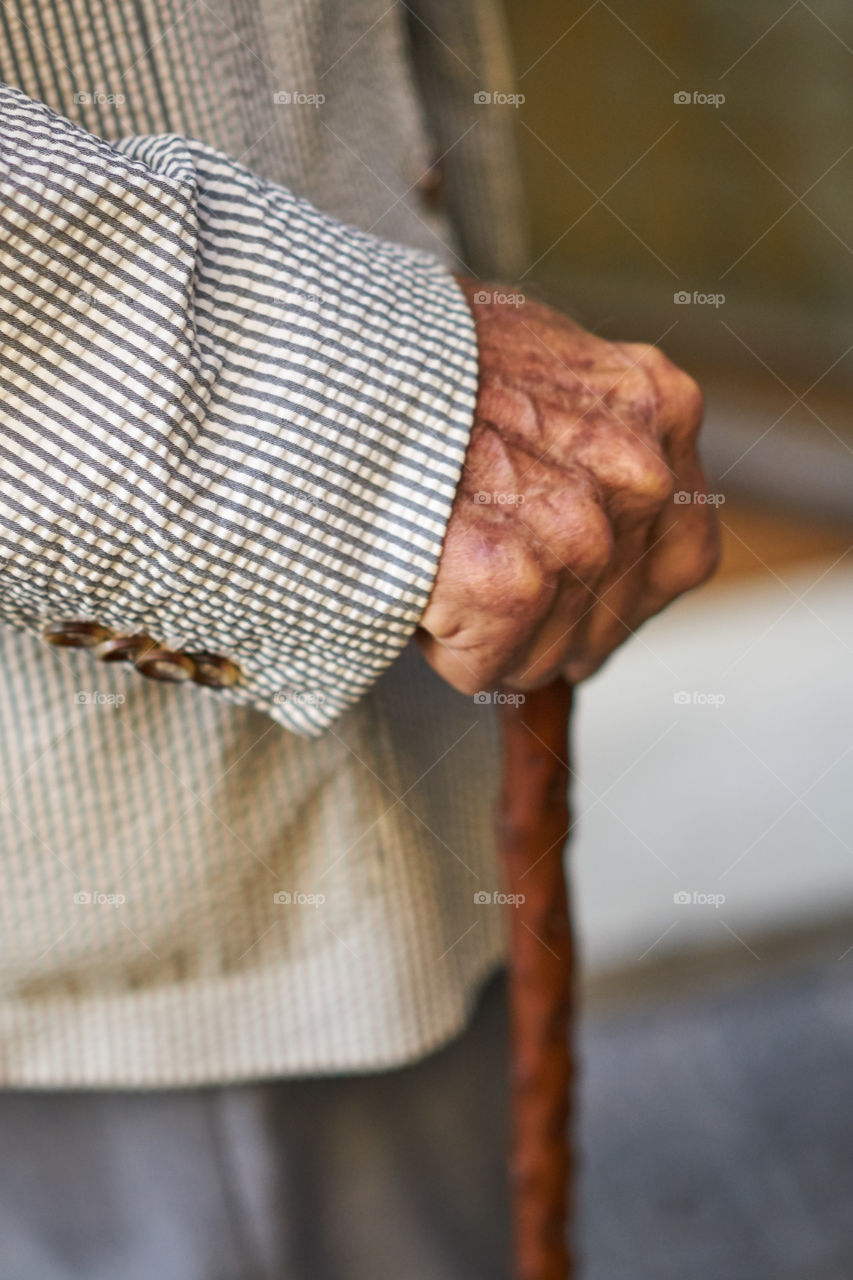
(635, 196)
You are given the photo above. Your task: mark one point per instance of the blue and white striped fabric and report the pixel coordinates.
(228, 420)
(232, 416)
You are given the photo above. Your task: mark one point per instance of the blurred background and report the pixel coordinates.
(689, 169)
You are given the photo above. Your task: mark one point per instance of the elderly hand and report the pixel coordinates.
(565, 535)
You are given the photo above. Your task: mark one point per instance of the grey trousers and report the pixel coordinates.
(394, 1176)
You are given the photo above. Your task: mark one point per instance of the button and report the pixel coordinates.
(214, 671)
(75, 633)
(124, 648)
(165, 664)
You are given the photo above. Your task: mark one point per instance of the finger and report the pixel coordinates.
(499, 575)
(681, 551)
(680, 404)
(476, 664)
(581, 546)
(616, 609)
(490, 596)
(586, 617)
(544, 656)
(634, 475)
(569, 531)
(687, 548)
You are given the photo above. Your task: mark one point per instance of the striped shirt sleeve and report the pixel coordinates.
(226, 419)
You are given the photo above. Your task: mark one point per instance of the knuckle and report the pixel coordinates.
(695, 563)
(589, 542)
(507, 580)
(634, 475)
(648, 361)
(696, 572)
(639, 353)
(692, 399)
(681, 402)
(632, 397)
(651, 481)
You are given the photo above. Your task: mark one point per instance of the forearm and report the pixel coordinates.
(227, 419)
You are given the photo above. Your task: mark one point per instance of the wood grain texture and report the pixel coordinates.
(532, 825)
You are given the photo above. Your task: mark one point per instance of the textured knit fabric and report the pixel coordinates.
(235, 422)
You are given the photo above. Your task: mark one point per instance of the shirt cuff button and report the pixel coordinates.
(214, 671)
(124, 648)
(165, 664)
(75, 633)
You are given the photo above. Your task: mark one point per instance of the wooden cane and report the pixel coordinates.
(532, 826)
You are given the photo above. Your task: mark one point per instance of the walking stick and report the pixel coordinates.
(532, 825)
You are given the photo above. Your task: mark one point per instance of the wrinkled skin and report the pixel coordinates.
(589, 440)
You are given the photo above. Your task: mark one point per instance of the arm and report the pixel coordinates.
(226, 420)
